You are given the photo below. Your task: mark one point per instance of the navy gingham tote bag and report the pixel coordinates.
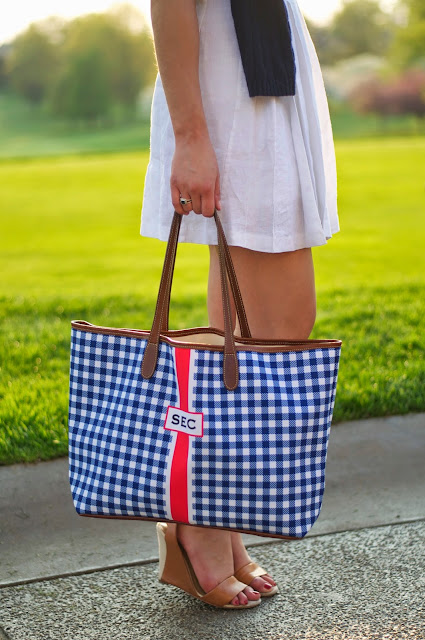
(198, 426)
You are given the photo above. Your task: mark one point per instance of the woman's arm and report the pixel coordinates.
(194, 172)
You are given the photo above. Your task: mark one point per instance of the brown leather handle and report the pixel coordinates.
(234, 285)
(160, 321)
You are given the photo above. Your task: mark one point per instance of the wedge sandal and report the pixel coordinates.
(176, 569)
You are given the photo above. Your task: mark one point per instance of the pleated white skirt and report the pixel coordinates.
(275, 155)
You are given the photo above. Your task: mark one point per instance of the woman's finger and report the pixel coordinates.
(196, 203)
(208, 204)
(188, 206)
(175, 198)
(184, 200)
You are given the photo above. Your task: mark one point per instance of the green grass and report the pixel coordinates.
(346, 123)
(30, 131)
(70, 248)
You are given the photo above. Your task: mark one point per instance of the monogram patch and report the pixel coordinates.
(184, 422)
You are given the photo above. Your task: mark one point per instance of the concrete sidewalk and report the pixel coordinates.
(375, 475)
(358, 585)
(352, 578)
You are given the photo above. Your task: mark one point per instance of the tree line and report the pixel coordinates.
(83, 68)
(397, 37)
(86, 67)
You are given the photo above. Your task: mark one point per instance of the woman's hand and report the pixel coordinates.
(195, 176)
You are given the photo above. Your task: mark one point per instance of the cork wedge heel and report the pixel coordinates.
(175, 569)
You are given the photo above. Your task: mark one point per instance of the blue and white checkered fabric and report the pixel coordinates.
(260, 465)
(118, 448)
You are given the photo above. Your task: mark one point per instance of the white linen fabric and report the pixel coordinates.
(275, 155)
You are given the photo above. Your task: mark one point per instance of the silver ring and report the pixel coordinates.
(184, 201)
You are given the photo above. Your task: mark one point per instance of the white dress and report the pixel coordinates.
(275, 155)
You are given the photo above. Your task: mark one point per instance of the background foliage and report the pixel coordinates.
(80, 69)
(94, 68)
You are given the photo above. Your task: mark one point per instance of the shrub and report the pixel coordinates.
(403, 94)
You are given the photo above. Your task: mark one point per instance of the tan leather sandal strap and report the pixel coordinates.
(224, 592)
(250, 571)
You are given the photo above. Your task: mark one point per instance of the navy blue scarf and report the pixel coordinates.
(264, 37)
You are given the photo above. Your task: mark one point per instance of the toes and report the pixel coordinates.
(251, 594)
(261, 585)
(258, 584)
(269, 579)
(245, 596)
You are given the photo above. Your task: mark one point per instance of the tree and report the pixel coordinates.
(128, 56)
(361, 26)
(322, 37)
(409, 45)
(67, 62)
(402, 94)
(416, 8)
(4, 50)
(32, 64)
(83, 90)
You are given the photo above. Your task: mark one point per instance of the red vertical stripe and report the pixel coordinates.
(178, 477)
(182, 364)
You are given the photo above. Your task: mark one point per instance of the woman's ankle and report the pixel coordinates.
(209, 552)
(240, 554)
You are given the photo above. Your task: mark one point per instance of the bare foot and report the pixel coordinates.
(210, 552)
(241, 558)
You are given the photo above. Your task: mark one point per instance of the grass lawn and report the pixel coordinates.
(70, 248)
(346, 123)
(30, 131)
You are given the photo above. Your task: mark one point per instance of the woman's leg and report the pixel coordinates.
(278, 291)
(279, 296)
(280, 301)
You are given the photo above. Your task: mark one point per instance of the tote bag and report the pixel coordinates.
(199, 426)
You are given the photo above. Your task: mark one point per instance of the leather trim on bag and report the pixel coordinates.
(145, 518)
(242, 344)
